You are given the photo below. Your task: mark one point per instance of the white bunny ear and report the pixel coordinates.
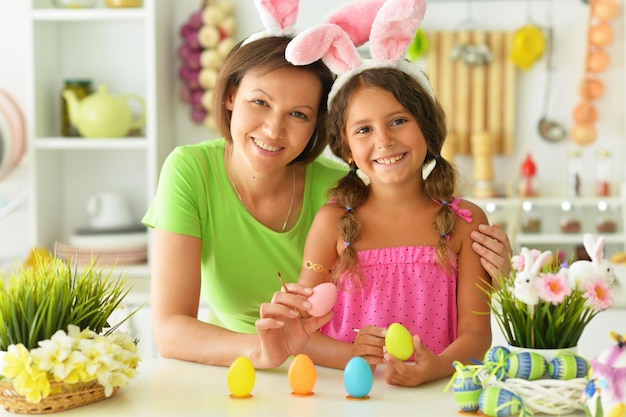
(394, 29)
(278, 18)
(327, 42)
(598, 251)
(277, 14)
(589, 243)
(541, 261)
(356, 19)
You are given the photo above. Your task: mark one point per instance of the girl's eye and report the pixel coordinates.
(363, 130)
(398, 121)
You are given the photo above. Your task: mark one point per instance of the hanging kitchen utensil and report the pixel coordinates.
(550, 129)
(528, 44)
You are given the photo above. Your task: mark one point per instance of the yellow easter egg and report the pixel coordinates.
(301, 375)
(241, 377)
(399, 341)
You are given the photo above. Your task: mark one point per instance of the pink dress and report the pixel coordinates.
(403, 285)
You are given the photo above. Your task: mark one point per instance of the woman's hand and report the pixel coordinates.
(494, 248)
(281, 329)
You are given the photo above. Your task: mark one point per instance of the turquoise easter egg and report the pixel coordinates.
(467, 389)
(399, 341)
(526, 365)
(241, 377)
(568, 365)
(499, 402)
(358, 378)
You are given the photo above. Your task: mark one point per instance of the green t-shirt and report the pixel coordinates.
(240, 256)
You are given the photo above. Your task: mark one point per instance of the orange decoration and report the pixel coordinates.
(601, 34)
(591, 89)
(598, 60)
(584, 134)
(605, 9)
(585, 113)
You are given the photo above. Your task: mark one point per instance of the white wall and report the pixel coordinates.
(570, 19)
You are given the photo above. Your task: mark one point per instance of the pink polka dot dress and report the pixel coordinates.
(403, 285)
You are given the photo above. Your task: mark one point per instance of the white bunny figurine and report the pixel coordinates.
(524, 284)
(580, 273)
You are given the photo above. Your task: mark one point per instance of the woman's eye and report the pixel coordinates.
(300, 115)
(259, 102)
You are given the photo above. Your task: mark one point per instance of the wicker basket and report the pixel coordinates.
(62, 397)
(548, 396)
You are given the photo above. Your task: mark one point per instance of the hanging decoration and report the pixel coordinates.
(207, 39)
(599, 35)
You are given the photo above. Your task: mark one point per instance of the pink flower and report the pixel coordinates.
(517, 261)
(598, 294)
(552, 288)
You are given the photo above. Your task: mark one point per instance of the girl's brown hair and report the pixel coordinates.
(264, 56)
(351, 191)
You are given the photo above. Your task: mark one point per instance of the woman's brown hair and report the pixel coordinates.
(264, 56)
(351, 191)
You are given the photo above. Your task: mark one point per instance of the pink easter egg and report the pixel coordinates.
(323, 299)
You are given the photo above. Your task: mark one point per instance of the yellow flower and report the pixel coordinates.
(17, 362)
(28, 380)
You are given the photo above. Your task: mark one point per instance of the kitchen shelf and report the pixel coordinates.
(129, 51)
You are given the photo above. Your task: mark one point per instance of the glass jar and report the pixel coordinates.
(574, 173)
(82, 88)
(73, 4)
(603, 173)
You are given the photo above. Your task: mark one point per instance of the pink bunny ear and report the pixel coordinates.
(356, 19)
(327, 42)
(277, 14)
(394, 29)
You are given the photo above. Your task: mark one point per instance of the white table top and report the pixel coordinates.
(172, 388)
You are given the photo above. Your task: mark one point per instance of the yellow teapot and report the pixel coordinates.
(103, 115)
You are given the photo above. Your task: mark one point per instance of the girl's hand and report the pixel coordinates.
(409, 374)
(494, 248)
(369, 344)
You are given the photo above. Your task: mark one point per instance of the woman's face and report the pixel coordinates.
(274, 116)
(384, 137)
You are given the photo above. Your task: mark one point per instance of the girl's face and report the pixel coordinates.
(274, 116)
(385, 139)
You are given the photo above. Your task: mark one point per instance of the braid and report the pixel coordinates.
(350, 193)
(439, 186)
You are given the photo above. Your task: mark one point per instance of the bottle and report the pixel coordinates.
(82, 88)
(603, 173)
(574, 173)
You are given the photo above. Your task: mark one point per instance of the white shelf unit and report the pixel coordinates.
(126, 49)
(550, 212)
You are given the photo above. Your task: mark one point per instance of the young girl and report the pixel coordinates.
(399, 246)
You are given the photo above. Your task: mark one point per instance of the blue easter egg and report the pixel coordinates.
(497, 354)
(467, 389)
(568, 365)
(526, 365)
(499, 402)
(358, 378)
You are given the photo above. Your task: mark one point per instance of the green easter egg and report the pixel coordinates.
(399, 342)
(568, 365)
(499, 402)
(526, 365)
(467, 389)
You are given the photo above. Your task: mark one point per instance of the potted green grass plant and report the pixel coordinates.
(56, 337)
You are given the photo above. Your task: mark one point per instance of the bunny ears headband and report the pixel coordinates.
(278, 18)
(389, 25)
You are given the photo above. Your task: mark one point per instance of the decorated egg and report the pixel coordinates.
(591, 89)
(585, 113)
(495, 360)
(600, 34)
(568, 365)
(526, 365)
(499, 402)
(301, 375)
(241, 377)
(467, 387)
(399, 342)
(358, 378)
(323, 299)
